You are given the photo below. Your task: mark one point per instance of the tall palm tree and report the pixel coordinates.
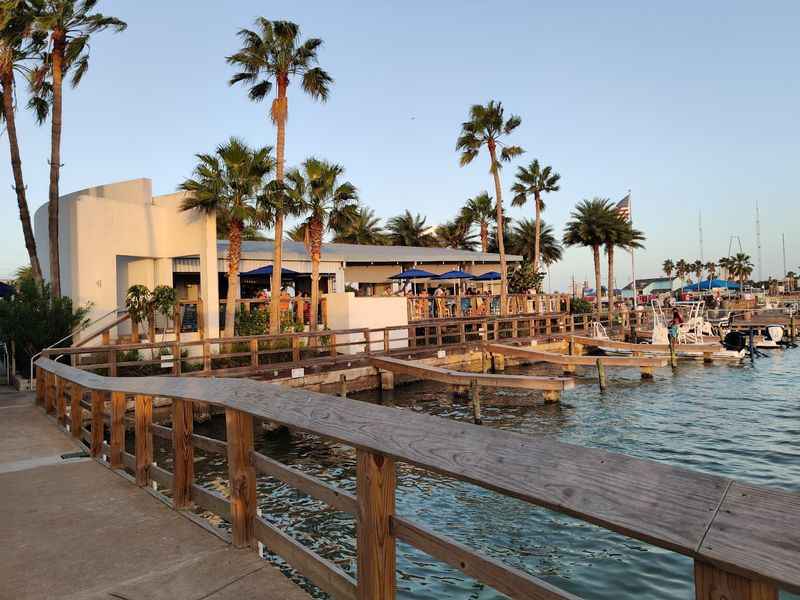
(508, 234)
(297, 233)
(409, 230)
(228, 183)
(273, 55)
(329, 204)
(70, 25)
(668, 267)
(588, 228)
(250, 231)
(682, 269)
(711, 269)
(456, 234)
(480, 211)
(17, 49)
(523, 241)
(741, 267)
(535, 180)
(725, 264)
(363, 228)
(619, 234)
(487, 126)
(697, 268)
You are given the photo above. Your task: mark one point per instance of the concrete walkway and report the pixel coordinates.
(73, 529)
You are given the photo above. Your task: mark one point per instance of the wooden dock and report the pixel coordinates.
(700, 351)
(646, 364)
(73, 528)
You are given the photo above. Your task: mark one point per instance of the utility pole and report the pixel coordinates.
(758, 244)
(700, 225)
(783, 243)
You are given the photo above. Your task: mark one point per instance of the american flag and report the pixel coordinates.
(623, 207)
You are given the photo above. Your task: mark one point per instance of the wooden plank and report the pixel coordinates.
(756, 533)
(41, 378)
(241, 476)
(320, 571)
(76, 411)
(209, 444)
(117, 429)
(183, 453)
(416, 369)
(376, 547)
(161, 476)
(165, 433)
(61, 403)
(143, 411)
(712, 583)
(211, 501)
(98, 422)
(615, 345)
(333, 496)
(507, 580)
(564, 359)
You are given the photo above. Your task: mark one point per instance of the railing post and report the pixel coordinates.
(176, 358)
(183, 453)
(117, 429)
(242, 476)
(206, 356)
(61, 403)
(76, 411)
(254, 352)
(112, 363)
(98, 422)
(144, 438)
(295, 349)
(375, 475)
(367, 342)
(713, 583)
(40, 385)
(386, 341)
(333, 344)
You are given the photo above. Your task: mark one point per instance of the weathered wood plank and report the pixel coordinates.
(333, 496)
(613, 344)
(321, 572)
(242, 476)
(117, 444)
(165, 433)
(209, 444)
(211, 501)
(143, 411)
(61, 403)
(98, 422)
(183, 453)
(507, 580)
(563, 359)
(376, 547)
(527, 382)
(76, 411)
(712, 583)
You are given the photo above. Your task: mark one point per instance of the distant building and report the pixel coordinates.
(653, 286)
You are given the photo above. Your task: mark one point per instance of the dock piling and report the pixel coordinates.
(601, 375)
(475, 395)
(343, 385)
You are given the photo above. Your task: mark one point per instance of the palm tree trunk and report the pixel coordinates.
(610, 252)
(16, 168)
(234, 257)
(598, 287)
(315, 236)
(536, 241)
(485, 236)
(55, 163)
(501, 247)
(279, 112)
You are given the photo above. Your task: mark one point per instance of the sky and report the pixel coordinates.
(693, 106)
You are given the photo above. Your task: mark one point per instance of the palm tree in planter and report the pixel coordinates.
(534, 180)
(487, 126)
(668, 267)
(409, 230)
(18, 48)
(228, 183)
(619, 234)
(363, 228)
(70, 25)
(588, 227)
(329, 203)
(480, 211)
(273, 55)
(523, 241)
(456, 234)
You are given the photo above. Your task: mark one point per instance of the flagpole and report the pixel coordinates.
(633, 263)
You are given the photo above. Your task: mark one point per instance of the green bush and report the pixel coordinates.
(522, 278)
(254, 322)
(578, 306)
(34, 319)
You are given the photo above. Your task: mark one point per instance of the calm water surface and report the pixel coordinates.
(739, 421)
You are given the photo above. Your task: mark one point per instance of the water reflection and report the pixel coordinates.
(737, 421)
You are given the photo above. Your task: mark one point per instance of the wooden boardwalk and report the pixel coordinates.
(76, 530)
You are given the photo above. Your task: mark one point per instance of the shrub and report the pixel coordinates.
(579, 306)
(523, 278)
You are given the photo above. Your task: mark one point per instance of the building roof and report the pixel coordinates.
(363, 253)
(644, 282)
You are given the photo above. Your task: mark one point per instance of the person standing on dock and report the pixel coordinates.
(676, 321)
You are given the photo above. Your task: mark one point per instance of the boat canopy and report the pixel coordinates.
(711, 284)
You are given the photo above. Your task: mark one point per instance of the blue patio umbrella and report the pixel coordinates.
(262, 271)
(6, 291)
(489, 276)
(413, 274)
(711, 284)
(455, 275)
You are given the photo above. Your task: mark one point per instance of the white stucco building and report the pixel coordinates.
(117, 235)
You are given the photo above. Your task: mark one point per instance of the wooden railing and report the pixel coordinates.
(423, 308)
(247, 354)
(744, 539)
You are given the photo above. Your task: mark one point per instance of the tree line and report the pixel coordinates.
(738, 266)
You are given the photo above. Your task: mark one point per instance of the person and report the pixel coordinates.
(674, 325)
(438, 295)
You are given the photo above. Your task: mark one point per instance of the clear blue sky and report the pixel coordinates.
(691, 105)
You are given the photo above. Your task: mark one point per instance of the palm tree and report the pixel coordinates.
(534, 180)
(228, 183)
(487, 126)
(682, 269)
(725, 265)
(409, 230)
(588, 228)
(480, 211)
(523, 241)
(456, 234)
(16, 19)
(363, 228)
(250, 231)
(70, 25)
(329, 204)
(508, 234)
(697, 268)
(619, 234)
(741, 267)
(668, 267)
(273, 55)
(297, 233)
(711, 268)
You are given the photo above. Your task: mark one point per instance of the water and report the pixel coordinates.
(740, 421)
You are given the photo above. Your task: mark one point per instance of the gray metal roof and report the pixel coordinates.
(362, 253)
